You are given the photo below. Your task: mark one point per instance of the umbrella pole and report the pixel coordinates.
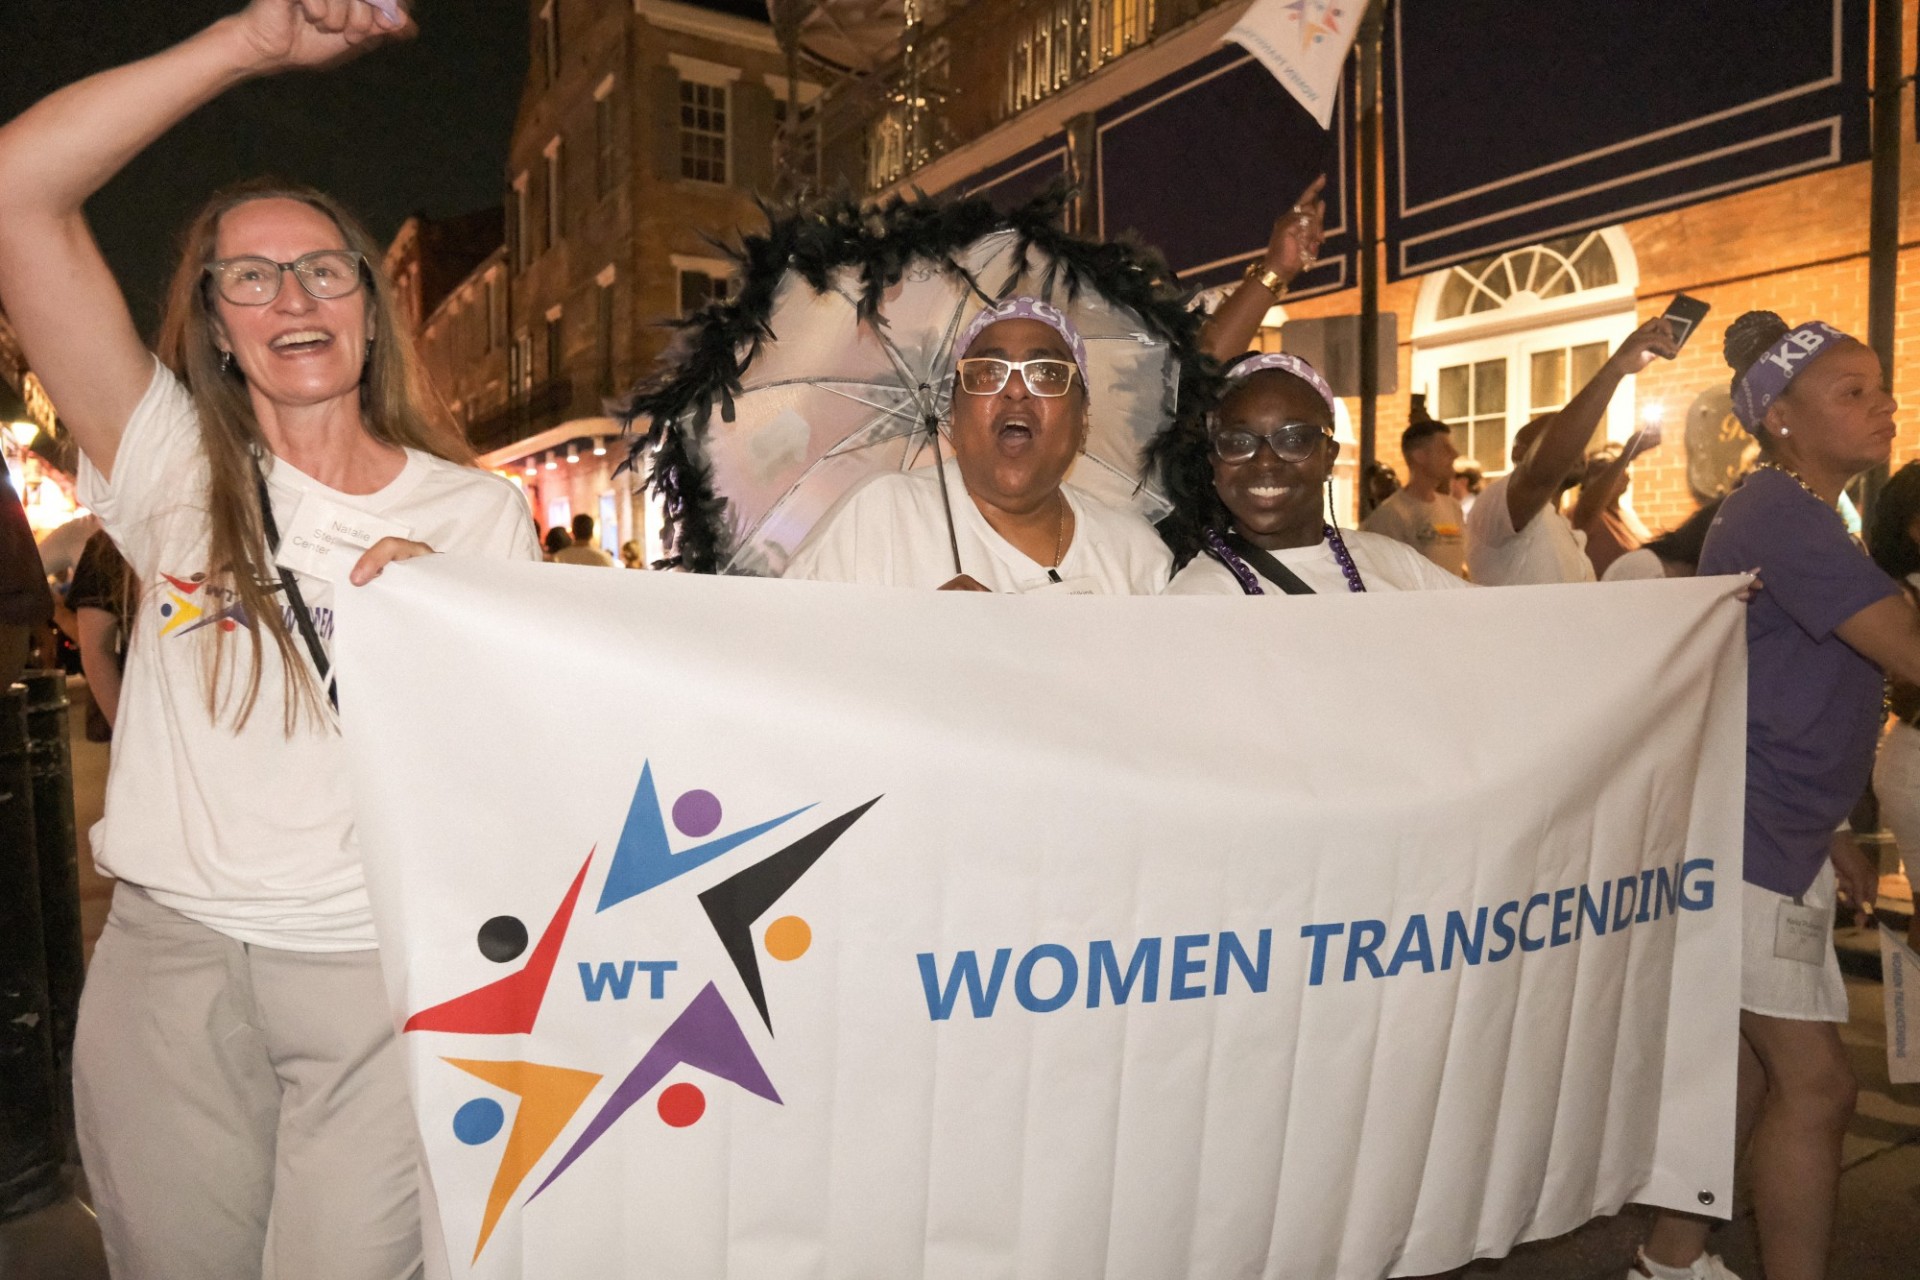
(946, 502)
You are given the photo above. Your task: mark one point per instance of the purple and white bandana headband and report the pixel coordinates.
(1026, 308)
(1769, 377)
(1286, 364)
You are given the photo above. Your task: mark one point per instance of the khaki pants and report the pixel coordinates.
(242, 1110)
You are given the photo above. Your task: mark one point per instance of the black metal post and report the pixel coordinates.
(1883, 235)
(1369, 46)
(50, 760)
(32, 1143)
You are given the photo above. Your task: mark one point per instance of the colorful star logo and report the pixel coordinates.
(1318, 19)
(705, 1036)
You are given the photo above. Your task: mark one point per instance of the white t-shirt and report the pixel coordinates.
(892, 532)
(1634, 565)
(1548, 550)
(1385, 564)
(583, 553)
(1434, 527)
(248, 831)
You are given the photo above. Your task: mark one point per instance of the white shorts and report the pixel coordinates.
(1781, 988)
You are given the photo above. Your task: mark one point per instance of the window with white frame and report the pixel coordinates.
(702, 280)
(603, 143)
(518, 245)
(703, 131)
(556, 193)
(550, 39)
(1501, 340)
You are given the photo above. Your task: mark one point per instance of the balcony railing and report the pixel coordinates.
(547, 405)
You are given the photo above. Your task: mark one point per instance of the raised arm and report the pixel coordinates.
(1296, 239)
(64, 303)
(1599, 494)
(1562, 443)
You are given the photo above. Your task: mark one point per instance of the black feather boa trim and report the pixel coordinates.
(702, 372)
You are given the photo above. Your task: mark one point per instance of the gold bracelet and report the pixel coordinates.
(1267, 278)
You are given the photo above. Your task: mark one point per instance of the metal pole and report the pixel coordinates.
(31, 1142)
(1369, 46)
(51, 760)
(1883, 236)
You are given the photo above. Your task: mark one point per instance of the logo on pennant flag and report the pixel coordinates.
(1304, 43)
(705, 1035)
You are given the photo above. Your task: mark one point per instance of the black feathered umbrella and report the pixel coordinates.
(833, 364)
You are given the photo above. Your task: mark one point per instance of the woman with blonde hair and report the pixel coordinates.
(238, 1085)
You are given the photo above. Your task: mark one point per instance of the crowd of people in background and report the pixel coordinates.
(277, 1125)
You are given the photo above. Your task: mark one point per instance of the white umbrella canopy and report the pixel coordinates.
(843, 377)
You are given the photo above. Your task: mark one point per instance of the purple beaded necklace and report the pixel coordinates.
(1250, 581)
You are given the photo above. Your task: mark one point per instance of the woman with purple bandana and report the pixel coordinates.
(1001, 509)
(1249, 519)
(1826, 625)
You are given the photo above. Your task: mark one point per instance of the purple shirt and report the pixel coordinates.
(1813, 704)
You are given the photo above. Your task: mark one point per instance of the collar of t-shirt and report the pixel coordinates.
(1023, 568)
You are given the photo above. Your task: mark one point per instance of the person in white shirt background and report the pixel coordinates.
(1020, 418)
(1673, 554)
(1895, 544)
(239, 1089)
(1516, 535)
(1256, 498)
(1425, 515)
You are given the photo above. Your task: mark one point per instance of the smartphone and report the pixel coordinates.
(1684, 314)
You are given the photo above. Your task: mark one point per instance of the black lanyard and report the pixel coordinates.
(1264, 563)
(301, 615)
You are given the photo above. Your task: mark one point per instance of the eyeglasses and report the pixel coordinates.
(254, 282)
(1046, 377)
(1290, 442)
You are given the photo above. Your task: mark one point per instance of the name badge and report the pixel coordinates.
(1800, 933)
(324, 537)
(1065, 587)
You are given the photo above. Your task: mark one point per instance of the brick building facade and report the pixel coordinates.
(645, 126)
(1019, 90)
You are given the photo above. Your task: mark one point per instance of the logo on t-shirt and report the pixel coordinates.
(192, 603)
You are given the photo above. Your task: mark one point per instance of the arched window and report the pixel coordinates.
(1500, 340)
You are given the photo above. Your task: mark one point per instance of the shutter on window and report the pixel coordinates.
(666, 123)
(753, 135)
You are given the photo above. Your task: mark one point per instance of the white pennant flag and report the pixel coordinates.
(1304, 43)
(1900, 980)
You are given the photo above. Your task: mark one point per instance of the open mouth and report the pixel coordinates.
(301, 341)
(1014, 433)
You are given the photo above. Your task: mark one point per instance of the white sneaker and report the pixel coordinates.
(1705, 1267)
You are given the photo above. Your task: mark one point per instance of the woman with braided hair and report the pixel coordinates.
(1247, 488)
(1823, 632)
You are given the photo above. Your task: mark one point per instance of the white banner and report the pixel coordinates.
(763, 929)
(1304, 43)
(1900, 987)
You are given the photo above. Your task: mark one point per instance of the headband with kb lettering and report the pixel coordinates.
(1768, 378)
(1286, 364)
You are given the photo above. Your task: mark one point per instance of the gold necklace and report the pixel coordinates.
(1059, 529)
(1795, 476)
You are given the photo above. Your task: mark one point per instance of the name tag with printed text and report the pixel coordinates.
(324, 538)
(1800, 933)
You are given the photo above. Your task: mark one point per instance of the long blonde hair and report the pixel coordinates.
(397, 407)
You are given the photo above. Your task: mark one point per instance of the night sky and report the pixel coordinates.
(420, 127)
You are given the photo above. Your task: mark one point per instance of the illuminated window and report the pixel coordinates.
(1500, 340)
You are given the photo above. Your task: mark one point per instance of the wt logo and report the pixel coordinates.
(603, 978)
